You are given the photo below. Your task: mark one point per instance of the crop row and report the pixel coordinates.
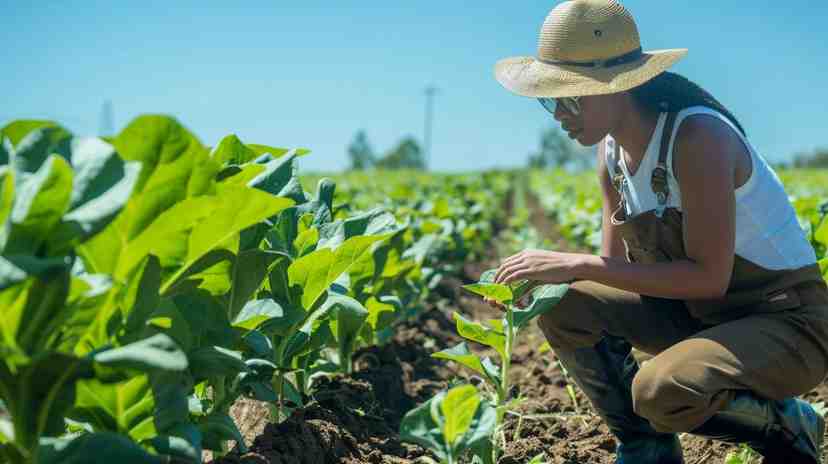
(147, 282)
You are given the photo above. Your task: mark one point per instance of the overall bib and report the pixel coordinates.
(768, 335)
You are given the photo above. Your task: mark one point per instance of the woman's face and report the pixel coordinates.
(594, 121)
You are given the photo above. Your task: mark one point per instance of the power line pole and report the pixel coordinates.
(106, 127)
(430, 91)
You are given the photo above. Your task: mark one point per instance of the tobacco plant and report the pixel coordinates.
(499, 334)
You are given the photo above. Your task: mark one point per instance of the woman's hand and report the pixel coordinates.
(548, 267)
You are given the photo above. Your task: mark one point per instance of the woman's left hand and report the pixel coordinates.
(550, 267)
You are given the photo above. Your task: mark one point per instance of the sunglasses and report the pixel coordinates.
(569, 104)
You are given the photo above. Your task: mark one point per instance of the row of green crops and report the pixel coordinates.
(148, 281)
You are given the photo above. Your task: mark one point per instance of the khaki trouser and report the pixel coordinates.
(696, 367)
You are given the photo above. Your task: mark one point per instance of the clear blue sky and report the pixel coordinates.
(311, 73)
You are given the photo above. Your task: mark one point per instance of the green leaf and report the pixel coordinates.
(218, 427)
(348, 317)
(315, 272)
(431, 423)
(248, 272)
(381, 312)
(479, 333)
(95, 448)
(545, 298)
(821, 234)
(500, 293)
(459, 407)
(158, 352)
(101, 187)
(17, 130)
(41, 200)
(124, 407)
(460, 354)
(231, 150)
(256, 312)
(209, 361)
(37, 145)
(306, 241)
(420, 427)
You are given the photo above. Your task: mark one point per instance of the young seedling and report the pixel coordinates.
(500, 334)
(450, 423)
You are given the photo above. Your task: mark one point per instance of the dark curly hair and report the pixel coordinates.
(672, 92)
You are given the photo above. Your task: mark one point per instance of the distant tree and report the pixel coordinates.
(816, 159)
(406, 155)
(360, 152)
(558, 150)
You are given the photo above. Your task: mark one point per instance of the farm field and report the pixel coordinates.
(165, 301)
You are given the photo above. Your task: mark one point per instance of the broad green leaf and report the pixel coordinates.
(299, 340)
(306, 241)
(823, 266)
(124, 407)
(256, 312)
(460, 354)
(315, 272)
(158, 352)
(36, 146)
(239, 209)
(174, 166)
(231, 150)
(249, 270)
(545, 298)
(41, 200)
(500, 293)
(279, 177)
(381, 313)
(420, 427)
(459, 407)
(426, 425)
(821, 234)
(15, 131)
(101, 187)
(95, 448)
(348, 316)
(479, 333)
(209, 361)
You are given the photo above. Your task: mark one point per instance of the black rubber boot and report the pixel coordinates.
(605, 373)
(787, 431)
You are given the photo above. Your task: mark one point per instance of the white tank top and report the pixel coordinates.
(767, 230)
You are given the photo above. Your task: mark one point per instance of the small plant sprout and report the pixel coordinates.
(451, 423)
(500, 335)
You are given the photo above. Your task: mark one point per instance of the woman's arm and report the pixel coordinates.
(704, 154)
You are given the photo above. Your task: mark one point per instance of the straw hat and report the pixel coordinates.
(586, 47)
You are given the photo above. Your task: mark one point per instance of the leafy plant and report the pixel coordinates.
(499, 334)
(451, 423)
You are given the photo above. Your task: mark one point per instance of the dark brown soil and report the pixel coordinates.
(355, 419)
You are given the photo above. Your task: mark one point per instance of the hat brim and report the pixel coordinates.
(526, 76)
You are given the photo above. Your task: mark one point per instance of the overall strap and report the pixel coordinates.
(658, 178)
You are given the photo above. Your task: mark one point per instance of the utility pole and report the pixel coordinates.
(106, 127)
(430, 91)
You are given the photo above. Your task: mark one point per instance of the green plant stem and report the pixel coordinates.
(503, 388)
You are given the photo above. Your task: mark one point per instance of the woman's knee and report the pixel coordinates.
(668, 394)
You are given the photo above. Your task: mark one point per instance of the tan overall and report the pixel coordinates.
(768, 334)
